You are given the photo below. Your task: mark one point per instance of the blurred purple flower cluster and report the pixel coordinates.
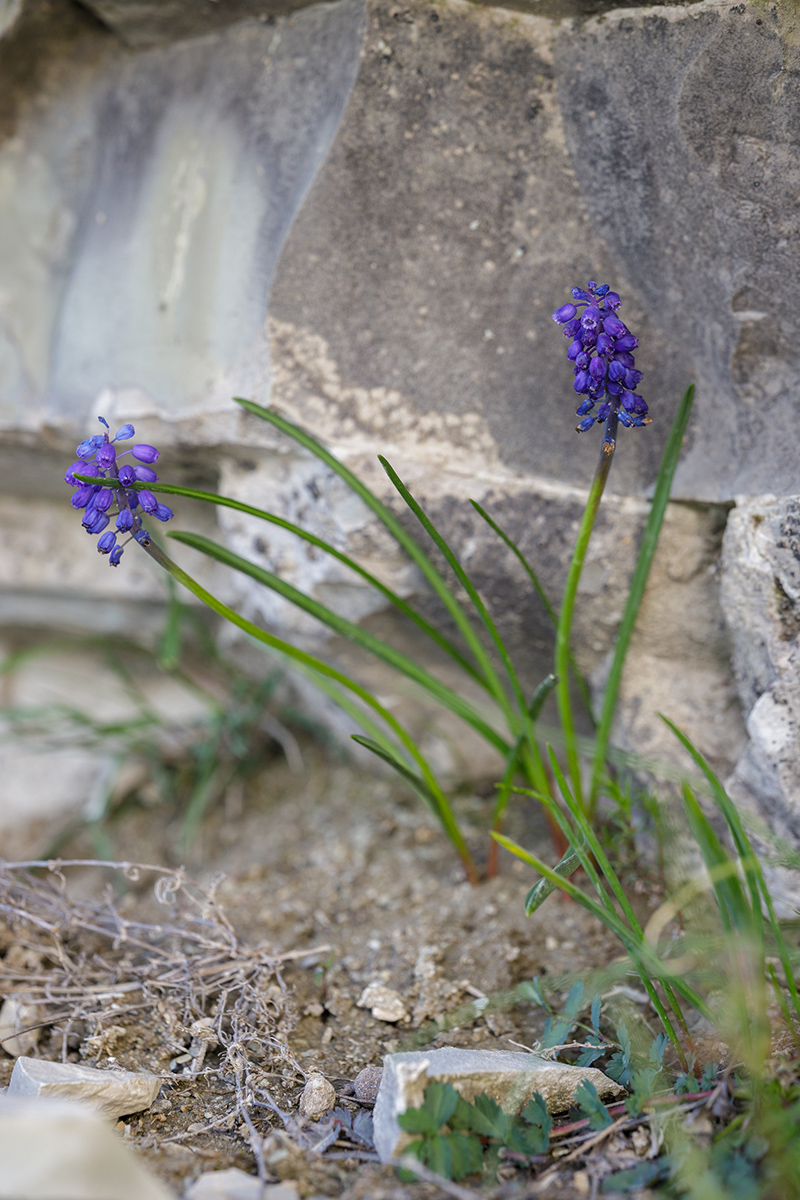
(99, 458)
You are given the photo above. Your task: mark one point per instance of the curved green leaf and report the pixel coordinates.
(354, 633)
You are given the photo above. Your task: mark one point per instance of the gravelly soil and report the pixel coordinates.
(351, 876)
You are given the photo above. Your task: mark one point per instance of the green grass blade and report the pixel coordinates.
(513, 758)
(388, 520)
(757, 884)
(468, 586)
(271, 518)
(644, 560)
(565, 867)
(354, 633)
(648, 964)
(735, 913)
(583, 686)
(610, 875)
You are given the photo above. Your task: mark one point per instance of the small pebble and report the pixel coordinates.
(367, 1083)
(318, 1096)
(384, 1003)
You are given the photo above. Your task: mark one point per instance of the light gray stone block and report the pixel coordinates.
(234, 1184)
(761, 600)
(509, 1077)
(113, 1094)
(58, 1150)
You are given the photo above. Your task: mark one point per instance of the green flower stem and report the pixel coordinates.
(564, 627)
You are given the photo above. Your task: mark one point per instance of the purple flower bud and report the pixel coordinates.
(86, 449)
(127, 475)
(145, 453)
(582, 361)
(164, 513)
(602, 290)
(145, 474)
(83, 495)
(94, 521)
(574, 350)
(591, 318)
(639, 406)
(571, 327)
(605, 344)
(142, 537)
(103, 500)
(625, 418)
(560, 316)
(116, 555)
(148, 501)
(614, 327)
(616, 372)
(124, 434)
(626, 359)
(584, 408)
(628, 401)
(603, 411)
(633, 378)
(579, 294)
(585, 424)
(583, 381)
(81, 468)
(133, 500)
(592, 286)
(612, 301)
(107, 542)
(588, 338)
(597, 369)
(613, 389)
(106, 456)
(125, 520)
(627, 342)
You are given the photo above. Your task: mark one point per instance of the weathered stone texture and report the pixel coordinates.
(365, 215)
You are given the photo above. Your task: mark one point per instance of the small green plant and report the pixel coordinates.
(454, 1137)
(492, 700)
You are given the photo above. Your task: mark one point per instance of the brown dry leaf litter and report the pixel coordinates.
(315, 887)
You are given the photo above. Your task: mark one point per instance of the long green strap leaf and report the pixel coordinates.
(583, 686)
(403, 606)
(468, 586)
(354, 633)
(513, 758)
(644, 561)
(386, 517)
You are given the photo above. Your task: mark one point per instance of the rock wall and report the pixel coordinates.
(365, 214)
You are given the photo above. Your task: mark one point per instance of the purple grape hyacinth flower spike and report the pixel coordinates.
(604, 367)
(99, 458)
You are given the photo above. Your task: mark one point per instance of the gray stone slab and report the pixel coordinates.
(682, 127)
(508, 1077)
(113, 1094)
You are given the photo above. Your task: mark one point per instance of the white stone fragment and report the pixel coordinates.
(16, 1037)
(318, 1096)
(58, 1150)
(113, 1094)
(384, 1003)
(234, 1184)
(509, 1077)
